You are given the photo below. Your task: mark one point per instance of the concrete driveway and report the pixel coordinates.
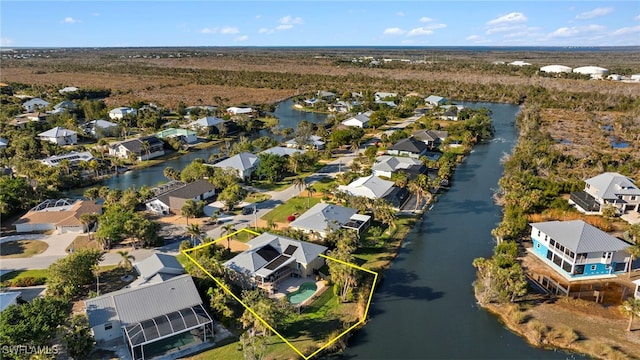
(57, 243)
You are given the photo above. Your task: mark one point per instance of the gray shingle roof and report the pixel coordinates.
(282, 151)
(611, 184)
(144, 302)
(580, 237)
(189, 191)
(393, 163)
(242, 161)
(410, 145)
(207, 121)
(324, 215)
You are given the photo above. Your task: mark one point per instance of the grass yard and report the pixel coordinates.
(22, 248)
(255, 197)
(378, 256)
(294, 205)
(83, 242)
(18, 274)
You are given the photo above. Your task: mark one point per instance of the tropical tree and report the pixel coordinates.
(231, 195)
(145, 147)
(87, 219)
(634, 252)
(194, 231)
(171, 173)
(299, 183)
(383, 212)
(227, 230)
(189, 209)
(116, 162)
(310, 191)
(68, 275)
(91, 193)
(77, 337)
(631, 308)
(125, 261)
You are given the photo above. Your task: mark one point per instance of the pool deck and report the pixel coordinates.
(292, 284)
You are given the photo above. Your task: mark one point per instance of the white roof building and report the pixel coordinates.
(595, 72)
(244, 164)
(519, 63)
(119, 113)
(555, 69)
(371, 187)
(68, 89)
(239, 110)
(60, 136)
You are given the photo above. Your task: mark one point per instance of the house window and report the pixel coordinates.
(538, 246)
(593, 268)
(108, 326)
(607, 255)
(633, 198)
(538, 233)
(552, 242)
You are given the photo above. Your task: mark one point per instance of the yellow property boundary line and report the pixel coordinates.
(221, 284)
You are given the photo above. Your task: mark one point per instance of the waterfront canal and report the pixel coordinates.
(425, 308)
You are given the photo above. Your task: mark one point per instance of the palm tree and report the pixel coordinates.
(631, 307)
(634, 252)
(125, 261)
(310, 191)
(87, 219)
(299, 183)
(146, 148)
(228, 230)
(415, 189)
(65, 165)
(194, 231)
(116, 162)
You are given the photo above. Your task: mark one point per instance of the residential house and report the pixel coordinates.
(326, 95)
(378, 96)
(8, 298)
(144, 315)
(136, 147)
(609, 188)
(183, 135)
(410, 147)
(100, 128)
(156, 268)
(121, 112)
(244, 164)
(312, 101)
(74, 158)
(386, 165)
(435, 100)
(314, 142)
(174, 200)
(61, 215)
(341, 106)
(208, 109)
(576, 249)
(324, 217)
(60, 136)
(273, 258)
(208, 123)
(22, 119)
(390, 104)
(360, 120)
(68, 89)
(239, 110)
(35, 104)
(62, 106)
(373, 187)
(282, 151)
(431, 138)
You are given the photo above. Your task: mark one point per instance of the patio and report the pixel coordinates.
(292, 284)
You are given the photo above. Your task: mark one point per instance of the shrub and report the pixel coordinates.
(26, 281)
(538, 330)
(564, 335)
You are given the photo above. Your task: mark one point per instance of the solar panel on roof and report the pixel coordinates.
(268, 253)
(290, 250)
(277, 262)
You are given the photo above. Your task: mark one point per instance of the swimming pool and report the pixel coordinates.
(304, 292)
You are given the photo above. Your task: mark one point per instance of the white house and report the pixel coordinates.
(556, 69)
(73, 158)
(62, 106)
(576, 250)
(184, 135)
(360, 120)
(282, 151)
(206, 123)
(101, 128)
(120, 112)
(519, 63)
(595, 72)
(244, 164)
(68, 89)
(240, 110)
(373, 187)
(324, 217)
(386, 165)
(125, 149)
(174, 200)
(380, 95)
(35, 104)
(156, 268)
(435, 100)
(314, 142)
(608, 188)
(273, 258)
(60, 136)
(61, 215)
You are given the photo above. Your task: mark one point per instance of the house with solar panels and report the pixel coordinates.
(271, 259)
(577, 250)
(145, 315)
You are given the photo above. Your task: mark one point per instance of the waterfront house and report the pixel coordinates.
(380, 95)
(373, 187)
(157, 268)
(273, 258)
(100, 128)
(313, 142)
(324, 217)
(609, 188)
(360, 120)
(121, 112)
(68, 89)
(183, 135)
(239, 110)
(340, 106)
(60, 136)
(435, 100)
(74, 158)
(577, 250)
(136, 147)
(410, 147)
(386, 165)
(282, 151)
(62, 215)
(145, 315)
(431, 138)
(35, 104)
(325, 95)
(244, 164)
(174, 199)
(210, 124)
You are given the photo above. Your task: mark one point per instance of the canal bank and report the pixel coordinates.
(425, 307)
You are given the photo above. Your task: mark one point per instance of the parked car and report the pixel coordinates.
(248, 210)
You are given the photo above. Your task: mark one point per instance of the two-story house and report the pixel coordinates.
(609, 188)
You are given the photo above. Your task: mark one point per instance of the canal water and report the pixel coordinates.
(425, 308)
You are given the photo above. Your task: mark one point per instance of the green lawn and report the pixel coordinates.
(255, 197)
(17, 274)
(297, 204)
(22, 248)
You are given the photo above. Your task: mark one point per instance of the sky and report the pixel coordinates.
(115, 23)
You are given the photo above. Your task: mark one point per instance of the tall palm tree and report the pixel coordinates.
(116, 162)
(310, 191)
(146, 148)
(126, 261)
(194, 231)
(631, 308)
(87, 220)
(299, 183)
(415, 189)
(228, 230)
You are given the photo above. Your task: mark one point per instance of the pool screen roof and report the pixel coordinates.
(160, 327)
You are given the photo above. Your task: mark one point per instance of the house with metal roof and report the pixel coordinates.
(184, 135)
(243, 163)
(60, 136)
(136, 147)
(65, 105)
(373, 187)
(208, 123)
(174, 200)
(234, 110)
(272, 258)
(410, 147)
(146, 314)
(386, 165)
(35, 104)
(361, 120)
(313, 141)
(380, 95)
(100, 128)
(157, 268)
(282, 151)
(435, 100)
(609, 188)
(323, 217)
(121, 112)
(577, 250)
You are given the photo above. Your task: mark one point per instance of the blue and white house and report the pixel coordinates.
(577, 250)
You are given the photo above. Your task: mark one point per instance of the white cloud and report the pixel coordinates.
(242, 38)
(576, 30)
(637, 18)
(425, 19)
(393, 31)
(96, 14)
(435, 26)
(594, 13)
(421, 31)
(627, 30)
(399, 13)
(477, 39)
(473, 37)
(504, 28)
(258, 16)
(229, 30)
(290, 20)
(209, 30)
(70, 20)
(265, 31)
(284, 27)
(4, 41)
(509, 18)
